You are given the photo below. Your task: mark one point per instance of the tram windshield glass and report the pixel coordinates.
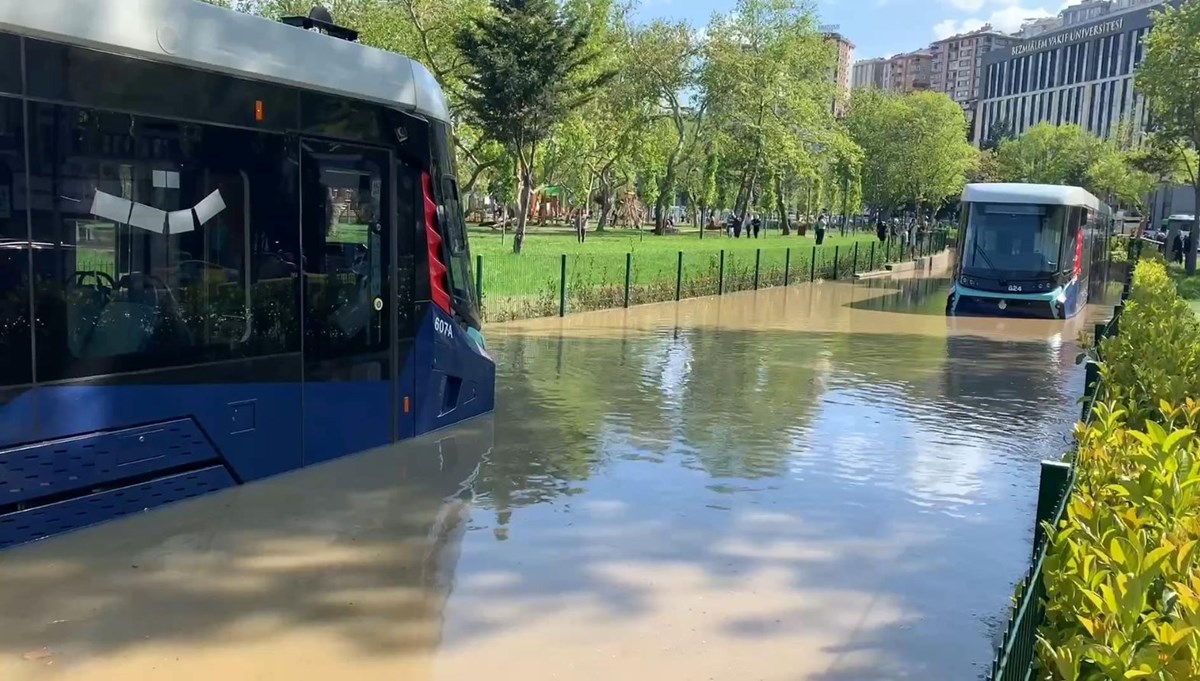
(1015, 240)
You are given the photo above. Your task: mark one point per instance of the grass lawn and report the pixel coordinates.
(526, 285)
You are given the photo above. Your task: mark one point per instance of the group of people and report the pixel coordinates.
(736, 226)
(902, 232)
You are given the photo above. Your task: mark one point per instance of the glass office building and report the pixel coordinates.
(1082, 74)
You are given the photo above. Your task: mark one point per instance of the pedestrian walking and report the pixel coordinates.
(581, 225)
(755, 224)
(881, 230)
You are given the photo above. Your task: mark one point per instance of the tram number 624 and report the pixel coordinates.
(1014, 287)
(443, 327)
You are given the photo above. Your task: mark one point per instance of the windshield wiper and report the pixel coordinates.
(986, 259)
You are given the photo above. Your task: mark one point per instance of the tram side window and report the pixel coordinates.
(1075, 219)
(163, 250)
(10, 63)
(450, 216)
(15, 357)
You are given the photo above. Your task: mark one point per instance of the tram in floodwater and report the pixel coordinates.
(1028, 250)
(229, 248)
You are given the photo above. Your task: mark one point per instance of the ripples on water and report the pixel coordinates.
(830, 482)
(921, 442)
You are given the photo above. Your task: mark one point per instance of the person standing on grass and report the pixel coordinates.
(881, 230)
(581, 224)
(822, 223)
(755, 224)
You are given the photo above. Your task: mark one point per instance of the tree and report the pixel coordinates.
(1113, 176)
(1048, 154)
(915, 148)
(876, 122)
(939, 155)
(997, 132)
(666, 60)
(766, 81)
(986, 168)
(1169, 77)
(528, 64)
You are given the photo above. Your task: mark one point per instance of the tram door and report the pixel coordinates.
(409, 222)
(349, 366)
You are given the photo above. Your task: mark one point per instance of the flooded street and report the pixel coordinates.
(827, 482)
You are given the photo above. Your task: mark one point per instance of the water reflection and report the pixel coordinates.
(341, 566)
(807, 483)
(842, 444)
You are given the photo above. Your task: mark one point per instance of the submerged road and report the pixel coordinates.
(828, 482)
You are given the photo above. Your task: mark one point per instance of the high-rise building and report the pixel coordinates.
(1080, 74)
(957, 60)
(844, 53)
(908, 72)
(868, 74)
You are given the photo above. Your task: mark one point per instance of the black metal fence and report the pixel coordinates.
(537, 285)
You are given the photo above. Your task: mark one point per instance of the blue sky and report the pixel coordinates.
(880, 28)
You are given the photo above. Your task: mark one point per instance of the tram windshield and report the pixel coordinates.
(1014, 240)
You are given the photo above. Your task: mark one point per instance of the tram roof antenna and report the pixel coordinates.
(320, 20)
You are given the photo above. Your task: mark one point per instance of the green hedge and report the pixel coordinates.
(1122, 584)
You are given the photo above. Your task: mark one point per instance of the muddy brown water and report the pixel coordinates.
(828, 482)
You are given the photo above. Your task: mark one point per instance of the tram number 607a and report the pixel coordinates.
(443, 327)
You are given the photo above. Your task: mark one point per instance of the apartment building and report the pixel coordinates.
(868, 74)
(908, 72)
(957, 61)
(844, 53)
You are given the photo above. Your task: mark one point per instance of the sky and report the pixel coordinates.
(881, 28)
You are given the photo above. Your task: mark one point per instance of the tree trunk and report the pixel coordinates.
(606, 203)
(524, 193)
(665, 194)
(781, 205)
(748, 195)
(743, 184)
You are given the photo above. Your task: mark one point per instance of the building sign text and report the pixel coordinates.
(1100, 29)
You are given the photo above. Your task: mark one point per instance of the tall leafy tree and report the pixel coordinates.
(766, 80)
(528, 64)
(939, 155)
(1048, 154)
(1170, 78)
(666, 64)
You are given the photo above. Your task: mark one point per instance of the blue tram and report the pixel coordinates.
(1028, 250)
(229, 248)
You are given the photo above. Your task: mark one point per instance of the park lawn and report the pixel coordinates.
(600, 261)
(527, 284)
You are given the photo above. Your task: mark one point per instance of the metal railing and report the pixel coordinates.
(537, 285)
(1016, 654)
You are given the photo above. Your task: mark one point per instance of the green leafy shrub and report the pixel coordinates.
(1156, 356)
(1120, 575)
(1123, 591)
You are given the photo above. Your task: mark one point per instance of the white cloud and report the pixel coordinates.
(1007, 16)
(965, 5)
(949, 27)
